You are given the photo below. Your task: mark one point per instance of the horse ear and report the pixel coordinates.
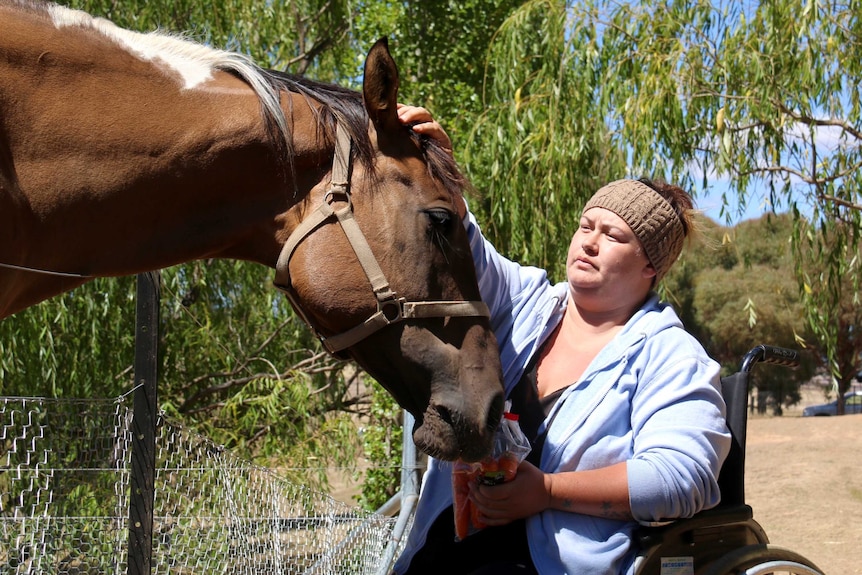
(380, 88)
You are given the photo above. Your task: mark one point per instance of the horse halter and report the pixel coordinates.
(390, 307)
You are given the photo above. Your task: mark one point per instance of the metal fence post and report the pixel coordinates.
(408, 495)
(145, 406)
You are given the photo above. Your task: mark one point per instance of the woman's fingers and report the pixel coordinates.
(424, 123)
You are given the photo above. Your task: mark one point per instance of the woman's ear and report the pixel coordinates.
(648, 271)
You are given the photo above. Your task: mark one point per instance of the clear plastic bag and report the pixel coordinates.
(511, 447)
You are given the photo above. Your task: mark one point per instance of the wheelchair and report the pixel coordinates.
(725, 540)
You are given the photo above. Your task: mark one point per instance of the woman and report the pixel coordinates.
(623, 407)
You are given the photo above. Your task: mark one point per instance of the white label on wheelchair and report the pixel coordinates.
(677, 566)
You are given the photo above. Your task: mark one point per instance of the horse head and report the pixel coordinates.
(380, 267)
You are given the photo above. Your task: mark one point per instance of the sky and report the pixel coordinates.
(709, 202)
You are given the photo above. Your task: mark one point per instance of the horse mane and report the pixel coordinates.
(196, 62)
(345, 106)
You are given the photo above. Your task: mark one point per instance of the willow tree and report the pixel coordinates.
(760, 100)
(537, 152)
(768, 98)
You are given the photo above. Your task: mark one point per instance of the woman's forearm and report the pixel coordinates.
(598, 492)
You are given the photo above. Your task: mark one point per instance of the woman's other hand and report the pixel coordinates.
(424, 123)
(527, 494)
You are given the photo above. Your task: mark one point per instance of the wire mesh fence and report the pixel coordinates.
(65, 468)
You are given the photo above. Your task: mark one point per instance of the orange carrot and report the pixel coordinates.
(461, 503)
(508, 465)
(462, 521)
(475, 519)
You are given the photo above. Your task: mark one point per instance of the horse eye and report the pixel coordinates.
(440, 218)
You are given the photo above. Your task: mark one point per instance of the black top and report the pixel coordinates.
(532, 410)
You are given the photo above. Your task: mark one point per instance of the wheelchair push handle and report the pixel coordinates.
(770, 354)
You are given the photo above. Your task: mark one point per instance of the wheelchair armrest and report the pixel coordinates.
(705, 537)
(702, 526)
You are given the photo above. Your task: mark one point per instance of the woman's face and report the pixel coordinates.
(606, 259)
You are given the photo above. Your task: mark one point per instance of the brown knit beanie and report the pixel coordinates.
(649, 215)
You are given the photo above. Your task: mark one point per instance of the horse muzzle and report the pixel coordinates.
(452, 428)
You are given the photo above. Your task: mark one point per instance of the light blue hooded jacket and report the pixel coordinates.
(651, 398)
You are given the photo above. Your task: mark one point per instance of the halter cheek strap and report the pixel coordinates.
(390, 308)
(338, 191)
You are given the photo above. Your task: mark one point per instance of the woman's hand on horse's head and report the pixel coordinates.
(424, 123)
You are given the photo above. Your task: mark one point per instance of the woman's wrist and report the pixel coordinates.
(550, 491)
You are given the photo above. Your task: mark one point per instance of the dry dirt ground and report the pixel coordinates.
(804, 482)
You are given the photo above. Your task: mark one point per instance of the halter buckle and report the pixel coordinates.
(392, 310)
(338, 192)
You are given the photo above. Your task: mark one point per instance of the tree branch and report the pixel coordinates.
(811, 121)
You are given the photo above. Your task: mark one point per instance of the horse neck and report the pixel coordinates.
(119, 154)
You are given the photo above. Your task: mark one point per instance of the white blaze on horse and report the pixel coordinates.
(123, 152)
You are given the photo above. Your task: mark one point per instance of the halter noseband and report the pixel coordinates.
(390, 308)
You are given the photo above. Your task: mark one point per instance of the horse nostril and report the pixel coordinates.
(445, 414)
(495, 412)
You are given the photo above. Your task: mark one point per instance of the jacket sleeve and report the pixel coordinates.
(680, 435)
(503, 284)
(521, 300)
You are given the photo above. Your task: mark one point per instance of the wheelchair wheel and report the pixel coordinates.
(762, 560)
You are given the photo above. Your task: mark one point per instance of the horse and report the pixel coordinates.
(123, 152)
